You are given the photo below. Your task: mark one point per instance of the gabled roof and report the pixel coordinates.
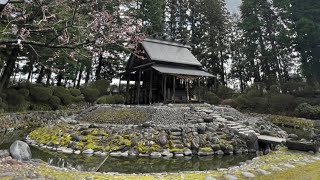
(170, 52)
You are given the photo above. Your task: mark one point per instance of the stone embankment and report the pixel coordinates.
(24, 120)
(156, 131)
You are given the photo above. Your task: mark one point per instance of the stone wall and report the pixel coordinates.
(14, 121)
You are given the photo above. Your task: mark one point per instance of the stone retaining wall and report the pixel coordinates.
(13, 121)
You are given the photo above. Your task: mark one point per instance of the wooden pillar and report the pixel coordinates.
(199, 90)
(150, 87)
(165, 89)
(174, 89)
(119, 85)
(187, 86)
(127, 89)
(138, 90)
(205, 89)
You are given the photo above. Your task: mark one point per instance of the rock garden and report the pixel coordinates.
(157, 132)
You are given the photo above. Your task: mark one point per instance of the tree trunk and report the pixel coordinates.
(99, 67)
(80, 75)
(48, 78)
(88, 73)
(30, 70)
(59, 79)
(222, 69)
(5, 78)
(41, 75)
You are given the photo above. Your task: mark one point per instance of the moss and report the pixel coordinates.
(56, 134)
(80, 145)
(93, 146)
(94, 132)
(155, 147)
(207, 149)
(127, 142)
(175, 150)
(142, 148)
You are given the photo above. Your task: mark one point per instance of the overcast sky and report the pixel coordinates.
(233, 5)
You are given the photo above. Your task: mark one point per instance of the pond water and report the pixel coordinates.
(127, 164)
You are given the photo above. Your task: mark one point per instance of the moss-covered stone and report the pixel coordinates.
(206, 149)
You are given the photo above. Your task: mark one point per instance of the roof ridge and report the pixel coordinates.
(166, 42)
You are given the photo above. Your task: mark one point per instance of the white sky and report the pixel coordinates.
(3, 1)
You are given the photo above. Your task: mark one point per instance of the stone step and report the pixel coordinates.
(221, 119)
(176, 141)
(237, 127)
(175, 137)
(271, 139)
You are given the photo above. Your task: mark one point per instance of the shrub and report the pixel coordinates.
(252, 103)
(229, 102)
(102, 86)
(40, 94)
(106, 100)
(40, 107)
(16, 102)
(75, 92)
(282, 103)
(78, 99)
(54, 102)
(63, 94)
(119, 99)
(90, 94)
(254, 93)
(307, 111)
(274, 89)
(24, 92)
(213, 98)
(224, 92)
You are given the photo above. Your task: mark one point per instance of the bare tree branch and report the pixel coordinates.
(35, 43)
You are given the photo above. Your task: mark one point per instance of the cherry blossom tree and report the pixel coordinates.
(64, 27)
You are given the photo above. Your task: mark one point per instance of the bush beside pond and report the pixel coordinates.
(292, 122)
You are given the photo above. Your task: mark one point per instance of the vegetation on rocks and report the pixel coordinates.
(286, 121)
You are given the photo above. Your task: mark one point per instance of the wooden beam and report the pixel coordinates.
(150, 86)
(138, 93)
(143, 65)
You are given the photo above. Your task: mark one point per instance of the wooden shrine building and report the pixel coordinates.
(163, 71)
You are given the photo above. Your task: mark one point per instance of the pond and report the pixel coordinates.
(127, 164)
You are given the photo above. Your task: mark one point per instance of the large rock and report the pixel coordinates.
(20, 150)
(201, 129)
(252, 141)
(4, 153)
(195, 143)
(163, 139)
(208, 119)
